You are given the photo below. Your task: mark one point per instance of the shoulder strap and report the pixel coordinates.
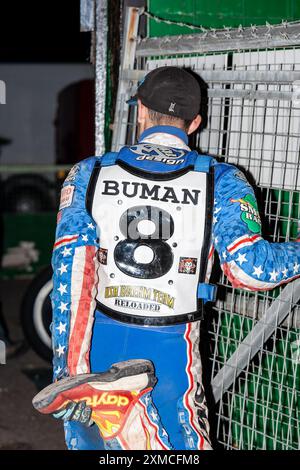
(109, 158)
(207, 292)
(203, 163)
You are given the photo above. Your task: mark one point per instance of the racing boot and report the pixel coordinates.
(118, 401)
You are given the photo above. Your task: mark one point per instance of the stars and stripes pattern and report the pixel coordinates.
(83, 285)
(152, 425)
(241, 242)
(66, 240)
(249, 261)
(73, 302)
(192, 408)
(74, 265)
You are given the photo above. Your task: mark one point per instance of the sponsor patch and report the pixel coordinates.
(157, 153)
(102, 255)
(66, 197)
(140, 292)
(249, 212)
(187, 265)
(72, 173)
(137, 305)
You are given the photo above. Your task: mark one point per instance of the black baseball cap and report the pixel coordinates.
(170, 90)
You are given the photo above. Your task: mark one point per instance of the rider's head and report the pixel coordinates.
(169, 96)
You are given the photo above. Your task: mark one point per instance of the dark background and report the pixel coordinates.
(42, 31)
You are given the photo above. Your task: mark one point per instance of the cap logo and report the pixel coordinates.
(171, 108)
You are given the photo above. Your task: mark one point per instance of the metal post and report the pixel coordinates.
(100, 69)
(127, 63)
(87, 15)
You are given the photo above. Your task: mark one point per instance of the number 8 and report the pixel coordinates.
(162, 253)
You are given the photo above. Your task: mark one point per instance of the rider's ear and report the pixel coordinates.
(142, 112)
(194, 124)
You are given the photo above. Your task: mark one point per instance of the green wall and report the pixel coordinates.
(217, 13)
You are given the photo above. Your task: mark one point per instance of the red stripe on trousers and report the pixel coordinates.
(155, 426)
(188, 331)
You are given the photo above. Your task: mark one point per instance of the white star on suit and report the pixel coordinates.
(62, 288)
(284, 272)
(215, 220)
(63, 268)
(85, 238)
(153, 415)
(58, 370)
(60, 350)
(216, 240)
(217, 209)
(63, 307)
(224, 255)
(241, 258)
(66, 251)
(257, 271)
(147, 399)
(74, 442)
(296, 268)
(90, 225)
(61, 328)
(273, 275)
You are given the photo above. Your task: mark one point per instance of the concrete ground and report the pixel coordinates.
(21, 427)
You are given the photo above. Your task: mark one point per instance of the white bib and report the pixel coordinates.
(151, 238)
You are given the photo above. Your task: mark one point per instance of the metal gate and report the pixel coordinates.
(253, 121)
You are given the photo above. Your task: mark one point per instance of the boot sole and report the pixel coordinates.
(117, 371)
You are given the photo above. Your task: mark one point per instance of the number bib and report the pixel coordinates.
(152, 234)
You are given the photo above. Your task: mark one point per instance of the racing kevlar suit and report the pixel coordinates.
(119, 294)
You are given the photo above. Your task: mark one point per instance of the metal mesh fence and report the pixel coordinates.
(253, 121)
(261, 410)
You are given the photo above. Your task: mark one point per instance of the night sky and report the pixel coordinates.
(42, 31)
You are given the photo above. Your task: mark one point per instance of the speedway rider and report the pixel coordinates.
(135, 241)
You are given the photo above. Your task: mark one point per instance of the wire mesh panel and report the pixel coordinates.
(253, 121)
(261, 409)
(264, 136)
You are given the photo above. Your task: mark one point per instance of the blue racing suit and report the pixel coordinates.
(88, 335)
